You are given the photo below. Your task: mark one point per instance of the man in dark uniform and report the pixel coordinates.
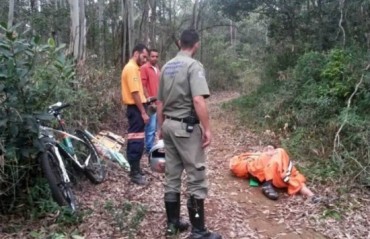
(184, 126)
(133, 97)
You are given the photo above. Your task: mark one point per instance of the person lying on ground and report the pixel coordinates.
(273, 168)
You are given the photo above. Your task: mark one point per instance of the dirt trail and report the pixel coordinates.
(233, 208)
(247, 212)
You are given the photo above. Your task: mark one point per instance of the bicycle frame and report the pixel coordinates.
(59, 145)
(58, 148)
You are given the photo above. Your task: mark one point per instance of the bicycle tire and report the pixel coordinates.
(95, 170)
(61, 191)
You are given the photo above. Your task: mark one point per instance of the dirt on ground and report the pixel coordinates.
(120, 209)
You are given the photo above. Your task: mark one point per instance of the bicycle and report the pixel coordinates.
(57, 149)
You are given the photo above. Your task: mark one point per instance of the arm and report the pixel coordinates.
(202, 113)
(160, 118)
(140, 106)
(144, 80)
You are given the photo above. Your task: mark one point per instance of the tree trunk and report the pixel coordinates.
(130, 21)
(124, 32)
(153, 20)
(82, 47)
(78, 30)
(143, 33)
(11, 13)
(101, 31)
(194, 16)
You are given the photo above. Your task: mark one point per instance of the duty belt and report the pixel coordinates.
(186, 120)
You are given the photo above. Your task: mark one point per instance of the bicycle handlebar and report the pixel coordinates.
(62, 107)
(57, 107)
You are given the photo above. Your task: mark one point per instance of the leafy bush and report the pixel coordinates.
(337, 75)
(309, 67)
(30, 73)
(306, 111)
(34, 75)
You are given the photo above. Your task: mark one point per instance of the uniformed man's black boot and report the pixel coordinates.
(135, 175)
(174, 224)
(196, 215)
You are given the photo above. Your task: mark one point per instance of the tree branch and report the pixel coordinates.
(341, 5)
(217, 25)
(337, 135)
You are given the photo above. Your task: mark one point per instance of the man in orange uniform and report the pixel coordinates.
(133, 97)
(150, 77)
(272, 167)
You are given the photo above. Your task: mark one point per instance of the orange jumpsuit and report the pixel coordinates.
(268, 166)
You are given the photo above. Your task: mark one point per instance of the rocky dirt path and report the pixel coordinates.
(119, 209)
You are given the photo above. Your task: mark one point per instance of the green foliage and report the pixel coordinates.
(30, 73)
(335, 74)
(54, 235)
(309, 67)
(307, 110)
(34, 75)
(41, 204)
(127, 216)
(235, 8)
(233, 61)
(222, 69)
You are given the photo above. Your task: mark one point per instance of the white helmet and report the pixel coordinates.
(157, 157)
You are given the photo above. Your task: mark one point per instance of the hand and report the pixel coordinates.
(145, 117)
(206, 138)
(152, 109)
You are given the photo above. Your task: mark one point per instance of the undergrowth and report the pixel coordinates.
(306, 110)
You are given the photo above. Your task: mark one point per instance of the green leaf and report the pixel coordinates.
(36, 39)
(51, 42)
(26, 152)
(14, 129)
(60, 47)
(3, 75)
(29, 53)
(44, 116)
(3, 122)
(35, 234)
(3, 26)
(4, 46)
(12, 36)
(77, 237)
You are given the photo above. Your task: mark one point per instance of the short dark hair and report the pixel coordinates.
(189, 38)
(153, 50)
(140, 48)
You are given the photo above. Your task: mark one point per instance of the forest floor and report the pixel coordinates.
(120, 209)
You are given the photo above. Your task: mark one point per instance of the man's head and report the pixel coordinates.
(153, 56)
(140, 54)
(189, 41)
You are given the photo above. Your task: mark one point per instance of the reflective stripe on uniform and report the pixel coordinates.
(286, 178)
(139, 135)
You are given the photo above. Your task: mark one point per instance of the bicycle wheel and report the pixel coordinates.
(61, 191)
(95, 169)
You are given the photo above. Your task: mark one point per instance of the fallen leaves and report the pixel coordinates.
(233, 209)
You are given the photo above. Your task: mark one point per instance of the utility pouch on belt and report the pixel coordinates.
(190, 122)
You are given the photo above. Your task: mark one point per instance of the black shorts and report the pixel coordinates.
(135, 121)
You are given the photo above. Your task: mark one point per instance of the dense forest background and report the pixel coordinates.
(302, 67)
